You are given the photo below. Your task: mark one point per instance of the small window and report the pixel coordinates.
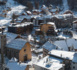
(24, 50)
(73, 67)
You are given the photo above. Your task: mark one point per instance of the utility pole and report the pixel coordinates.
(2, 46)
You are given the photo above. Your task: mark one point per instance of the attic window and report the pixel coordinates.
(24, 50)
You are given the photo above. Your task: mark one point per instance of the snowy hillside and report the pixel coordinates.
(15, 8)
(18, 9)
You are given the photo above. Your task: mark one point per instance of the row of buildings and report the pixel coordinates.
(45, 28)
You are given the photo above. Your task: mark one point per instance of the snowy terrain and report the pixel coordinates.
(15, 8)
(18, 9)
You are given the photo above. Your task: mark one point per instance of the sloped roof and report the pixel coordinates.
(14, 65)
(10, 37)
(52, 63)
(66, 43)
(49, 46)
(65, 54)
(62, 44)
(17, 44)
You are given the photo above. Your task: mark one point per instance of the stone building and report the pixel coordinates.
(20, 49)
(49, 28)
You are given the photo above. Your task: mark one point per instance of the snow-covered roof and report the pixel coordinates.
(21, 25)
(38, 10)
(75, 22)
(10, 36)
(38, 50)
(61, 44)
(64, 44)
(17, 44)
(14, 65)
(52, 23)
(28, 12)
(65, 54)
(63, 16)
(72, 42)
(50, 63)
(49, 46)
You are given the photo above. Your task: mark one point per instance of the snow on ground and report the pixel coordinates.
(34, 58)
(5, 21)
(15, 8)
(74, 34)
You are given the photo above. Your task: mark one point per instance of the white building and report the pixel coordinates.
(70, 58)
(49, 63)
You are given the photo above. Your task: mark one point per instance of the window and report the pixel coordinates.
(73, 67)
(24, 50)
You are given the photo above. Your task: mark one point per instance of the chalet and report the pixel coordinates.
(67, 45)
(64, 20)
(20, 28)
(39, 21)
(26, 18)
(49, 28)
(49, 63)
(45, 10)
(47, 47)
(68, 57)
(20, 49)
(68, 12)
(36, 12)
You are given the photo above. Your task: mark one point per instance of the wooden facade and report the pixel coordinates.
(20, 29)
